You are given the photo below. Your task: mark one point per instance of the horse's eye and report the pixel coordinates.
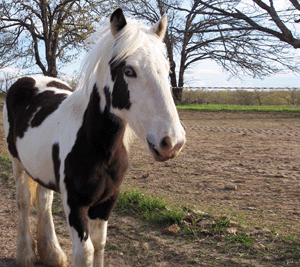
(129, 72)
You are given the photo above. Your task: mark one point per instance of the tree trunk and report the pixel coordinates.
(258, 97)
(178, 97)
(169, 46)
(52, 70)
(180, 77)
(172, 75)
(177, 94)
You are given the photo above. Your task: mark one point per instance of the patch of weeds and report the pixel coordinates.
(138, 165)
(5, 166)
(290, 249)
(57, 207)
(292, 253)
(193, 232)
(192, 222)
(193, 261)
(219, 225)
(138, 202)
(7, 181)
(150, 209)
(112, 246)
(201, 254)
(66, 235)
(6, 170)
(167, 217)
(291, 239)
(147, 238)
(125, 251)
(240, 240)
(57, 210)
(5, 163)
(57, 231)
(196, 224)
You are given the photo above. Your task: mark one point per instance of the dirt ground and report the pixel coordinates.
(251, 177)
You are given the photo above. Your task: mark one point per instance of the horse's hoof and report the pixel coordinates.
(53, 256)
(26, 256)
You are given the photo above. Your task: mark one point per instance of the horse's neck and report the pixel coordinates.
(76, 104)
(83, 110)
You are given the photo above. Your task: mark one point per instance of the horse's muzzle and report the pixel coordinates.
(166, 150)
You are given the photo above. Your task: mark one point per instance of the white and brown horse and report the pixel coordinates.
(75, 143)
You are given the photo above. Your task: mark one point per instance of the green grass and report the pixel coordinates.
(57, 207)
(5, 163)
(5, 170)
(239, 239)
(219, 225)
(215, 107)
(150, 209)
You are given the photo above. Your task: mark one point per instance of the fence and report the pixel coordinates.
(284, 203)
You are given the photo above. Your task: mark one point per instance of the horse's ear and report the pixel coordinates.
(117, 21)
(161, 26)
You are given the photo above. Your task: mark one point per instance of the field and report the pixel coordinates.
(250, 108)
(236, 181)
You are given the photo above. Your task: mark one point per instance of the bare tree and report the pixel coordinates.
(221, 30)
(43, 32)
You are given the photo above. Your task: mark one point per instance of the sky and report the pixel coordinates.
(206, 74)
(210, 74)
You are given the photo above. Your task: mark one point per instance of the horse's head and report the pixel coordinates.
(139, 89)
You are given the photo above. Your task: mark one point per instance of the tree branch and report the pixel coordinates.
(272, 12)
(285, 35)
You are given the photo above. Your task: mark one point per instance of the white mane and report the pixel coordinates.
(105, 47)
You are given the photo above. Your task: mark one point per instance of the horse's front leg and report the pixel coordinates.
(83, 249)
(98, 216)
(98, 231)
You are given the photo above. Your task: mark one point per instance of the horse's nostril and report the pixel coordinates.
(166, 143)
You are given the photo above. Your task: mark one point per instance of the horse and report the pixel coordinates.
(76, 143)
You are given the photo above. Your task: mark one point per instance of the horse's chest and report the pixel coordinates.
(95, 180)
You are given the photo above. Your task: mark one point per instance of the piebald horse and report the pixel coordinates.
(76, 143)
